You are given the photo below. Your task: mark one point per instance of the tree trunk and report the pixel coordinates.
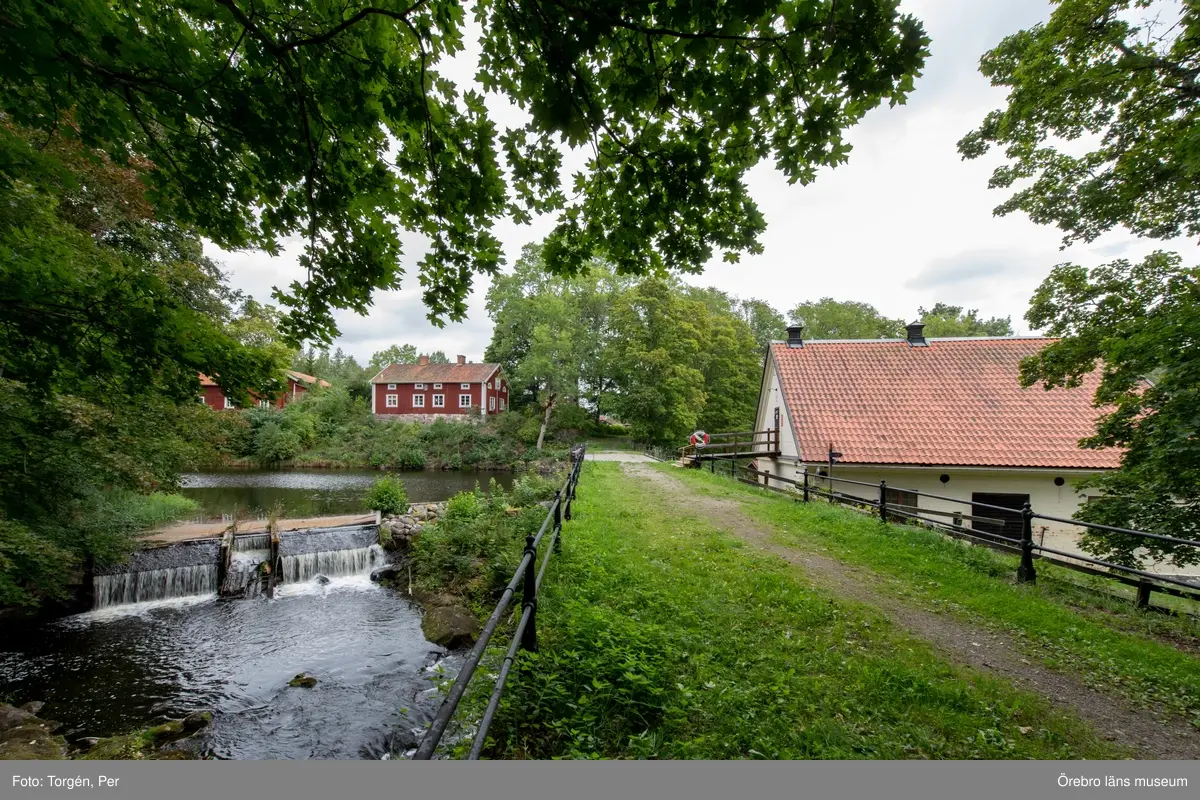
(545, 422)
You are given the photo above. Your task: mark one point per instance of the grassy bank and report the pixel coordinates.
(1149, 658)
(664, 637)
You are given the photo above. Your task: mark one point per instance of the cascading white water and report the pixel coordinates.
(251, 542)
(243, 578)
(154, 584)
(330, 563)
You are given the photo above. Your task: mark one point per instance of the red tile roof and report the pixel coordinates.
(300, 377)
(956, 402)
(436, 373)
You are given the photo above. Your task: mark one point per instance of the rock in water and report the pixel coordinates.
(33, 707)
(322, 579)
(11, 717)
(197, 720)
(303, 680)
(452, 627)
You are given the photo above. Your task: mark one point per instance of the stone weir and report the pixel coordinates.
(238, 566)
(185, 569)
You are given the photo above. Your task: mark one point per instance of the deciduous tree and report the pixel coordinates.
(844, 319)
(333, 122)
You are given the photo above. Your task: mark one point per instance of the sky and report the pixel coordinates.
(904, 224)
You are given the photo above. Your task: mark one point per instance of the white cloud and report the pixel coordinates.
(905, 223)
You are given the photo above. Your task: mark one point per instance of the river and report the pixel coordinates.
(109, 671)
(130, 664)
(316, 492)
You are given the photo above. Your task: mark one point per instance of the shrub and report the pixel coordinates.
(388, 496)
(273, 443)
(464, 507)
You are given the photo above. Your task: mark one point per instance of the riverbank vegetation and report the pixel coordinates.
(472, 550)
(332, 428)
(665, 637)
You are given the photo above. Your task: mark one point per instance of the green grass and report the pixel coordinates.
(158, 508)
(1147, 657)
(664, 637)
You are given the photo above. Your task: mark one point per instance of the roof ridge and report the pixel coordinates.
(927, 338)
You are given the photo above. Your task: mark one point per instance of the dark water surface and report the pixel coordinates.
(109, 671)
(319, 492)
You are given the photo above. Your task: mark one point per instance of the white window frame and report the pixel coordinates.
(419, 387)
(418, 401)
(439, 401)
(464, 386)
(492, 403)
(392, 401)
(501, 403)
(437, 386)
(264, 403)
(391, 387)
(229, 404)
(464, 401)
(489, 384)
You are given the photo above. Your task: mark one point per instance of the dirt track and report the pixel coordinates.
(983, 649)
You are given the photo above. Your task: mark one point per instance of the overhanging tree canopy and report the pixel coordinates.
(330, 121)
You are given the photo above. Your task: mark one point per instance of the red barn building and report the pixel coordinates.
(298, 383)
(431, 390)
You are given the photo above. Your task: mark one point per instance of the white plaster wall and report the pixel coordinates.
(770, 398)
(1044, 497)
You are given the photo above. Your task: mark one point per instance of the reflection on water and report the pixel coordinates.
(108, 671)
(319, 492)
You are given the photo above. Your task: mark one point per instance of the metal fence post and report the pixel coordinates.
(529, 597)
(1025, 572)
(883, 501)
(713, 462)
(557, 532)
(1143, 593)
(806, 486)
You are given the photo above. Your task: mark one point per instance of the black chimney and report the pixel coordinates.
(795, 336)
(916, 334)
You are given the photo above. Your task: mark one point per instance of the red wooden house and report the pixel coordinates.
(298, 383)
(425, 389)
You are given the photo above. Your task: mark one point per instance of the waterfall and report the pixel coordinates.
(154, 584)
(243, 578)
(330, 563)
(252, 541)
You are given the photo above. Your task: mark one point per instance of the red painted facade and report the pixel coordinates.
(212, 396)
(494, 399)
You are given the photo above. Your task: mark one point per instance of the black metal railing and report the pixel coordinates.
(1022, 543)
(528, 578)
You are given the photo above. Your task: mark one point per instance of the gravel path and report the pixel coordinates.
(984, 649)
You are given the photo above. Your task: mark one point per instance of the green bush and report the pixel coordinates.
(388, 496)
(464, 507)
(274, 443)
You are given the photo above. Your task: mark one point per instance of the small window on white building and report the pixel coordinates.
(418, 401)
(228, 403)
(464, 401)
(419, 386)
(464, 386)
(391, 387)
(393, 401)
(439, 401)
(491, 403)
